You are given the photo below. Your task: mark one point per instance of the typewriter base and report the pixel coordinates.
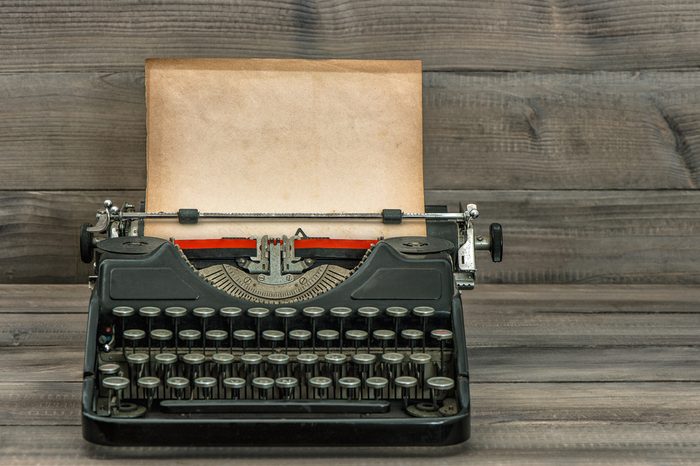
(281, 432)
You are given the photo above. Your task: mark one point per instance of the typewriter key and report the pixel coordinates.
(235, 384)
(392, 365)
(204, 386)
(149, 312)
(149, 385)
(307, 365)
(419, 361)
(122, 312)
(258, 313)
(287, 385)
(263, 384)
(230, 313)
(179, 384)
(375, 386)
(223, 362)
(175, 313)
(190, 336)
(285, 313)
(356, 336)
(216, 336)
(412, 335)
(300, 336)
(133, 335)
(313, 312)
(364, 363)
(194, 362)
(341, 313)
(251, 364)
(278, 363)
(424, 312)
(397, 313)
(320, 386)
(405, 383)
(350, 384)
(368, 313)
(204, 313)
(164, 365)
(109, 369)
(273, 336)
(329, 336)
(116, 386)
(244, 336)
(442, 336)
(439, 385)
(161, 335)
(137, 363)
(383, 336)
(335, 362)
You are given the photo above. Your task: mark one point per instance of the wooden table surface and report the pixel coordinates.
(576, 374)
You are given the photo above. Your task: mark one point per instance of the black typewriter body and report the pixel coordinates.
(173, 357)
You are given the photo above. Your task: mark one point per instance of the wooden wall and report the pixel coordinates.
(575, 123)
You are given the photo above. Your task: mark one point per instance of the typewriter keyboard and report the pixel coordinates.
(395, 361)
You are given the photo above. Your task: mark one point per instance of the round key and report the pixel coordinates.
(137, 358)
(287, 385)
(392, 362)
(189, 336)
(223, 359)
(194, 358)
(149, 311)
(175, 312)
(383, 337)
(405, 383)
(442, 336)
(392, 358)
(320, 385)
(420, 361)
(341, 313)
(263, 384)
(307, 358)
(164, 363)
(313, 312)
(300, 336)
(123, 311)
(205, 385)
(258, 313)
(424, 312)
(397, 312)
(369, 313)
(161, 335)
(230, 313)
(412, 335)
(235, 384)
(137, 363)
(179, 384)
(109, 369)
(279, 362)
(203, 312)
(364, 359)
(133, 335)
(377, 385)
(439, 385)
(356, 336)
(115, 383)
(244, 336)
(150, 384)
(350, 384)
(285, 313)
(251, 362)
(273, 336)
(217, 336)
(328, 336)
(335, 358)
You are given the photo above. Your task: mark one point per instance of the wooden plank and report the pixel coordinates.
(487, 364)
(588, 236)
(43, 299)
(515, 443)
(449, 34)
(550, 236)
(42, 403)
(39, 234)
(481, 130)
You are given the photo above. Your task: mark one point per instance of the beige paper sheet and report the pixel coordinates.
(229, 135)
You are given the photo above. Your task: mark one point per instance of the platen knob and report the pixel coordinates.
(87, 247)
(496, 233)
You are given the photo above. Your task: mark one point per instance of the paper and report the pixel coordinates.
(229, 135)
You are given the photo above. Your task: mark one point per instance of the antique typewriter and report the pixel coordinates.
(287, 341)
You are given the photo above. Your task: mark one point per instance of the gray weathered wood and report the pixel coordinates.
(447, 34)
(550, 236)
(482, 130)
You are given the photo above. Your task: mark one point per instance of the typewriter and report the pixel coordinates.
(282, 341)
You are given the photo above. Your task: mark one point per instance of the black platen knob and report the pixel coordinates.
(496, 232)
(87, 247)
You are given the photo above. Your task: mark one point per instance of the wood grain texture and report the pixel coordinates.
(446, 34)
(550, 236)
(482, 130)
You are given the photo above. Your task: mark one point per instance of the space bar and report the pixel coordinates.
(276, 406)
